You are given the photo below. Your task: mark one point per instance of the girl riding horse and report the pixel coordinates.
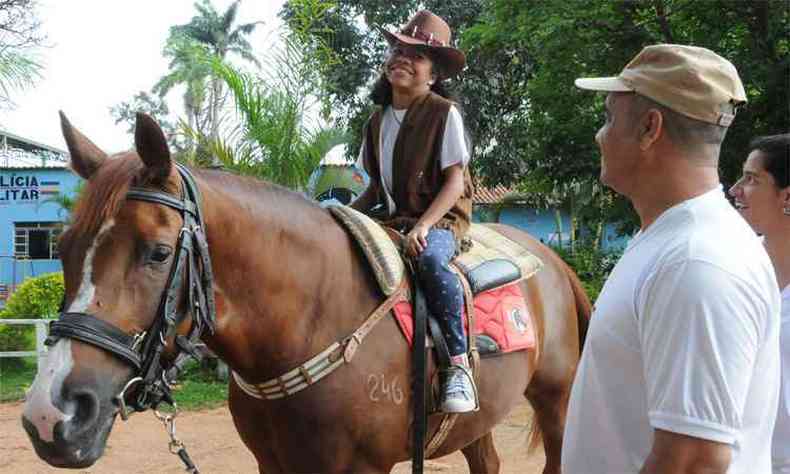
(416, 154)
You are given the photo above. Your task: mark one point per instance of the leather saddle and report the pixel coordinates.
(492, 261)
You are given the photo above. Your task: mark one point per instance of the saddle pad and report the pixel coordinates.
(384, 258)
(489, 244)
(500, 313)
(387, 264)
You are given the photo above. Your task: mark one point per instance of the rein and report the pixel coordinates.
(143, 352)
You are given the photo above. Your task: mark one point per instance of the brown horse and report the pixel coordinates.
(288, 282)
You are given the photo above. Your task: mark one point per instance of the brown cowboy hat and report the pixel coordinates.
(429, 30)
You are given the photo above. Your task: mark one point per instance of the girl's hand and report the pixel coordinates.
(416, 240)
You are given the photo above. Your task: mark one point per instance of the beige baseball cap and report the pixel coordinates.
(693, 81)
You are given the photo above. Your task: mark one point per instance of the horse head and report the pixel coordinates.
(117, 258)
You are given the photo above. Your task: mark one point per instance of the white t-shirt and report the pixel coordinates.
(684, 337)
(781, 441)
(454, 147)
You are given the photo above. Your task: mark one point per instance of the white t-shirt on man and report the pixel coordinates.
(781, 439)
(684, 338)
(455, 150)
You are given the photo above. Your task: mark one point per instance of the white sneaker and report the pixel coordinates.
(459, 392)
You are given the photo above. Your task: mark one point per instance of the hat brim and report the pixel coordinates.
(605, 84)
(453, 60)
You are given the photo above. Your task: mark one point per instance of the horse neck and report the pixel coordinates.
(285, 277)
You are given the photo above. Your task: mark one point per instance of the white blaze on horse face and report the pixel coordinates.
(87, 289)
(40, 409)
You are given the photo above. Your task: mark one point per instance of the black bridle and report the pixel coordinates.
(143, 351)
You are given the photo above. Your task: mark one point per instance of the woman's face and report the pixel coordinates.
(408, 67)
(757, 196)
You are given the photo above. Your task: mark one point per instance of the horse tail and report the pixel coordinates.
(535, 436)
(583, 305)
(583, 314)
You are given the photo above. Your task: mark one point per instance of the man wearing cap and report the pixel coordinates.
(680, 369)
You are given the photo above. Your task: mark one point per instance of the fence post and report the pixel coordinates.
(222, 370)
(41, 349)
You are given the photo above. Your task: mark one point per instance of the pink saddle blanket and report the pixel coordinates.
(500, 313)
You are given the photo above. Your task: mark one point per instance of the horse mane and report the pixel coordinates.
(104, 193)
(106, 190)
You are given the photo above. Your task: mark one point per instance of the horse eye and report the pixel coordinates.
(160, 254)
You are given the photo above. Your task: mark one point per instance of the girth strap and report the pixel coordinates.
(324, 363)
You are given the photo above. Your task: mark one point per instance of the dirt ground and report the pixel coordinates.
(140, 446)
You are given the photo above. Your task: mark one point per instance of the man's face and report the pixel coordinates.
(757, 197)
(618, 143)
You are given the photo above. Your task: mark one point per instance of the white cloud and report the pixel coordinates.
(103, 53)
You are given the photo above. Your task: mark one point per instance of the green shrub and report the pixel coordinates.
(591, 265)
(36, 298)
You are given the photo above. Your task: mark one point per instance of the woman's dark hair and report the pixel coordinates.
(382, 91)
(776, 150)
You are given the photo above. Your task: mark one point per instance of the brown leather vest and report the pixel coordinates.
(416, 165)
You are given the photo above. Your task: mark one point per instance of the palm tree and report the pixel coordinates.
(273, 139)
(189, 65)
(218, 33)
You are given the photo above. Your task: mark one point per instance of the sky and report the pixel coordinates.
(104, 52)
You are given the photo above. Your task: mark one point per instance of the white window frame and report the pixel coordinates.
(22, 238)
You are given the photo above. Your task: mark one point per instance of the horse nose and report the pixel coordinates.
(81, 405)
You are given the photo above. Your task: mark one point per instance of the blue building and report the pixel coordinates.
(32, 177)
(493, 205)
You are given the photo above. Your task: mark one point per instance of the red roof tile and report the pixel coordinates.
(495, 195)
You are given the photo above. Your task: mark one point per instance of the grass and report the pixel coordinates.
(16, 375)
(197, 389)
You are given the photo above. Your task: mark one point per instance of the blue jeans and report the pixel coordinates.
(443, 292)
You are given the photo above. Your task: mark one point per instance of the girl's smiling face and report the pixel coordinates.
(408, 67)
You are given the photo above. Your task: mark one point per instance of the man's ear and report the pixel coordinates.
(651, 126)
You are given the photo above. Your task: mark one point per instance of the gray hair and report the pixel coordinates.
(687, 133)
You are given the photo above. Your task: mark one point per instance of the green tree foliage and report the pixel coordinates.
(529, 124)
(274, 138)
(276, 133)
(218, 33)
(153, 105)
(20, 36)
(592, 266)
(565, 42)
(189, 65)
(36, 298)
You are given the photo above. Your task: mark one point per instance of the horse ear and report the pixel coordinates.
(85, 156)
(152, 146)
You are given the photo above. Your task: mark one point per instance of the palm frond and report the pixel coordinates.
(229, 17)
(17, 71)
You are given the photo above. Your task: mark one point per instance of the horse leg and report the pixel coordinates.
(550, 402)
(482, 456)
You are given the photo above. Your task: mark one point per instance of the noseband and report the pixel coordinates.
(144, 351)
